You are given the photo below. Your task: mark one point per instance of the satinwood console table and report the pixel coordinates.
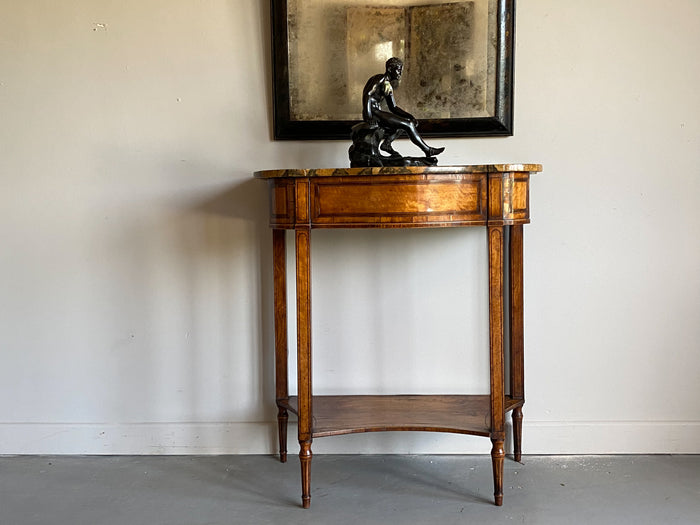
(494, 196)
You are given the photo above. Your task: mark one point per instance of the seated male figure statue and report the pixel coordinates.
(380, 88)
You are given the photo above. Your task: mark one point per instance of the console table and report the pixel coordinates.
(494, 196)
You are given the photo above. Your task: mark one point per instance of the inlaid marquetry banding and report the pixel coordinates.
(515, 196)
(391, 199)
(302, 201)
(509, 198)
(281, 203)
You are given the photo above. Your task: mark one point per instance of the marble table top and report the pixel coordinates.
(417, 170)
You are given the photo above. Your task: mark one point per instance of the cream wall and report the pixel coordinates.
(135, 283)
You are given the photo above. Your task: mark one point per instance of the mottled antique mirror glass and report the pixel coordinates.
(457, 54)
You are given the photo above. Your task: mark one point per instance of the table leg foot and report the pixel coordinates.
(282, 418)
(497, 455)
(517, 433)
(305, 459)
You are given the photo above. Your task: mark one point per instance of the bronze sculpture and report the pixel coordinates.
(380, 128)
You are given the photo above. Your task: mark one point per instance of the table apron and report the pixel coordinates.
(417, 201)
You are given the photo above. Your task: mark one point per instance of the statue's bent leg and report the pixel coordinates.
(388, 140)
(391, 121)
(418, 141)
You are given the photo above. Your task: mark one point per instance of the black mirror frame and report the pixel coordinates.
(499, 125)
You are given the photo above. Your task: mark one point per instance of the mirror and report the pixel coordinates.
(457, 55)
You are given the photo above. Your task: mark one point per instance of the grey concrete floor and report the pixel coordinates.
(208, 490)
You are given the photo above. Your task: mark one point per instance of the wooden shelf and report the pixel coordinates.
(513, 403)
(337, 415)
(460, 414)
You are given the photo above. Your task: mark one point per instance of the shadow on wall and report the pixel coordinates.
(242, 252)
(191, 283)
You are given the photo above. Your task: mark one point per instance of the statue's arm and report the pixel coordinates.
(396, 110)
(371, 87)
(367, 108)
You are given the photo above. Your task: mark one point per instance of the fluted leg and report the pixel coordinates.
(496, 245)
(517, 363)
(282, 418)
(305, 459)
(305, 398)
(279, 260)
(497, 455)
(517, 433)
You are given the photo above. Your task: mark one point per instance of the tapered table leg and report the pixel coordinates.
(305, 455)
(496, 256)
(517, 434)
(497, 455)
(517, 362)
(303, 260)
(279, 266)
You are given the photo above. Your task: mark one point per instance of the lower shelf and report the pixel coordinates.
(461, 414)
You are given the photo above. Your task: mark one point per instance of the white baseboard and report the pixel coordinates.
(539, 437)
(137, 438)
